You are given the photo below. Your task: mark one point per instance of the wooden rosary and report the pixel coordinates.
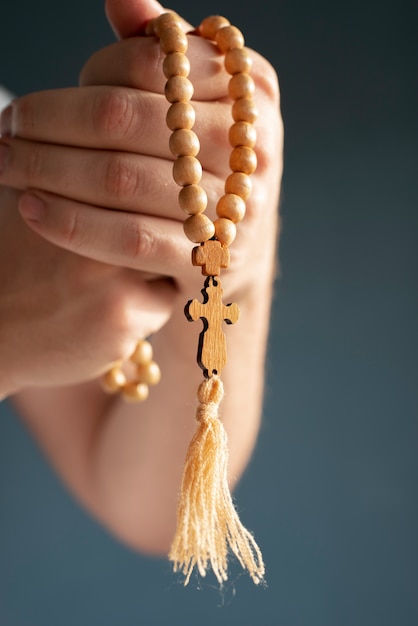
(208, 525)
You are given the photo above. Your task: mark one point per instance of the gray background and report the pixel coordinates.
(331, 491)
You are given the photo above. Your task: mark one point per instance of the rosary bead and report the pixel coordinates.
(244, 110)
(178, 89)
(184, 142)
(193, 199)
(210, 26)
(180, 115)
(173, 39)
(135, 392)
(240, 184)
(229, 37)
(113, 380)
(187, 170)
(225, 231)
(149, 373)
(243, 159)
(198, 228)
(238, 61)
(176, 64)
(143, 353)
(232, 207)
(241, 86)
(242, 134)
(165, 21)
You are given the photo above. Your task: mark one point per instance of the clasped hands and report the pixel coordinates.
(93, 254)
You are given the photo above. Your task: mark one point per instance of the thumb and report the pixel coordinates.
(129, 17)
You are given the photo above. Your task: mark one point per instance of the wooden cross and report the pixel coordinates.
(211, 354)
(211, 256)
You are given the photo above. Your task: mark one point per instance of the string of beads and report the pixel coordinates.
(184, 143)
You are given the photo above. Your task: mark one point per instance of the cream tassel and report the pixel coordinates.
(207, 522)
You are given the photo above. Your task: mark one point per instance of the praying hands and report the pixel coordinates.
(94, 257)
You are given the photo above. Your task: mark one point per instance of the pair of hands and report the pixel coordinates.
(100, 258)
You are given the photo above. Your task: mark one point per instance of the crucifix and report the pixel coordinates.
(211, 354)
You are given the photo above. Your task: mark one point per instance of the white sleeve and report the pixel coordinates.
(5, 97)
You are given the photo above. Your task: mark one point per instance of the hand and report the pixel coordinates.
(95, 148)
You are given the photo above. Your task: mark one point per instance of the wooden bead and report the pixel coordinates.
(193, 199)
(243, 159)
(180, 115)
(143, 353)
(210, 26)
(187, 170)
(176, 64)
(241, 86)
(238, 60)
(229, 37)
(232, 207)
(165, 21)
(173, 39)
(178, 89)
(149, 373)
(150, 28)
(135, 392)
(184, 142)
(198, 228)
(225, 230)
(240, 184)
(113, 380)
(242, 134)
(244, 110)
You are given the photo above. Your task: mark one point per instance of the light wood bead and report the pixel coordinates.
(178, 89)
(150, 27)
(149, 373)
(135, 392)
(187, 170)
(243, 159)
(232, 207)
(198, 228)
(229, 37)
(143, 353)
(184, 142)
(241, 86)
(225, 230)
(240, 184)
(176, 64)
(242, 134)
(165, 21)
(180, 115)
(244, 110)
(113, 380)
(173, 39)
(193, 199)
(210, 26)
(238, 61)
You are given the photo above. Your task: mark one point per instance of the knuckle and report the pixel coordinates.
(33, 164)
(113, 113)
(24, 115)
(136, 241)
(72, 231)
(266, 78)
(120, 177)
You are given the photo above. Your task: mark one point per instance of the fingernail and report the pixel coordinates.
(4, 155)
(6, 121)
(32, 207)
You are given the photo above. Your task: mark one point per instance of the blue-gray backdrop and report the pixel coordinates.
(331, 491)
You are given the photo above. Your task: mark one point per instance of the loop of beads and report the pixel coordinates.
(184, 143)
(147, 374)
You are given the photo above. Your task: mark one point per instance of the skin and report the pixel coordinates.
(93, 257)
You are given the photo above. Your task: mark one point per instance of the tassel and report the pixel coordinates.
(207, 522)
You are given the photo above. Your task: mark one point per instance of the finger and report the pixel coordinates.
(129, 17)
(137, 62)
(115, 118)
(150, 244)
(110, 179)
